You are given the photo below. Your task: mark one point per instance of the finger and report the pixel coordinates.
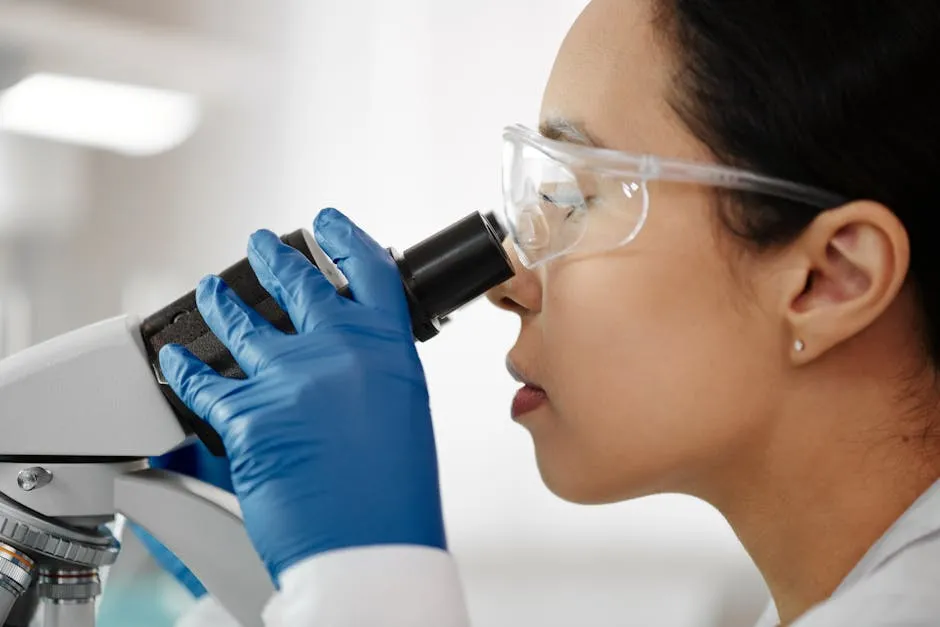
(195, 460)
(213, 470)
(182, 460)
(197, 385)
(296, 284)
(241, 329)
(373, 275)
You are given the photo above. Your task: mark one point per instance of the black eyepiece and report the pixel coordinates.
(440, 274)
(452, 268)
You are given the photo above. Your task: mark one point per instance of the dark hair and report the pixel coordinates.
(839, 94)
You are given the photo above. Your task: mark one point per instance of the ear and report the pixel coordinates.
(853, 262)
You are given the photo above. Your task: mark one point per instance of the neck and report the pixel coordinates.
(816, 496)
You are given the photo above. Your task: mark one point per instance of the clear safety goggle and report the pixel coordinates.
(553, 190)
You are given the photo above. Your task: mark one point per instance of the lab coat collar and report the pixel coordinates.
(921, 519)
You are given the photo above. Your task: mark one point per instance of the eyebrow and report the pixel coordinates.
(561, 129)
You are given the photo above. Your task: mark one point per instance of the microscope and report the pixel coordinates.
(82, 414)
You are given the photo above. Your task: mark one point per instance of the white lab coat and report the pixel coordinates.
(384, 586)
(896, 584)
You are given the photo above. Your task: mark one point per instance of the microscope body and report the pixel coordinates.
(82, 413)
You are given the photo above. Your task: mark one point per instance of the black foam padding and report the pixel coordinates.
(181, 323)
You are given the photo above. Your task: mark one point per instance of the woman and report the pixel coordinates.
(764, 338)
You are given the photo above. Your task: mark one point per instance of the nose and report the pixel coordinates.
(521, 294)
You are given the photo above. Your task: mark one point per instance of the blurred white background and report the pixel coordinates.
(269, 110)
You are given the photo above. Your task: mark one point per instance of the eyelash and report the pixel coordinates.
(585, 202)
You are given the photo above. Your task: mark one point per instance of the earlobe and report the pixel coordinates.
(855, 262)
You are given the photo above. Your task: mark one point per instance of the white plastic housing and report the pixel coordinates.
(202, 525)
(91, 392)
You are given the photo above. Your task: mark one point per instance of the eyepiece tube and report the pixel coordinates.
(440, 274)
(450, 269)
(497, 225)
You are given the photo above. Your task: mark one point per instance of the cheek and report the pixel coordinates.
(654, 373)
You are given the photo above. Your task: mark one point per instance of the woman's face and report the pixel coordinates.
(656, 359)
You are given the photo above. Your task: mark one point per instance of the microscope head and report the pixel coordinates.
(98, 392)
(90, 394)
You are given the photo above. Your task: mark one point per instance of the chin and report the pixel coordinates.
(588, 484)
(575, 485)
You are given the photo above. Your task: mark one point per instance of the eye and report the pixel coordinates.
(566, 201)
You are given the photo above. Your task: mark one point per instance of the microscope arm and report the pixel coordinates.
(202, 525)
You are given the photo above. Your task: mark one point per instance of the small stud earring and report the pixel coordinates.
(799, 346)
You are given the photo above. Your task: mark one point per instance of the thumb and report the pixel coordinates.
(373, 275)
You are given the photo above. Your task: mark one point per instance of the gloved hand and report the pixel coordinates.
(196, 461)
(329, 436)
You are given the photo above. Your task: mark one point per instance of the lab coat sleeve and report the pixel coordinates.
(381, 586)
(207, 613)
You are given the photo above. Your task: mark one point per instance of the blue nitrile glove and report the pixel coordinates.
(196, 461)
(329, 436)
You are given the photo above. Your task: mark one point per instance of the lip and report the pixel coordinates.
(516, 373)
(530, 397)
(527, 400)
